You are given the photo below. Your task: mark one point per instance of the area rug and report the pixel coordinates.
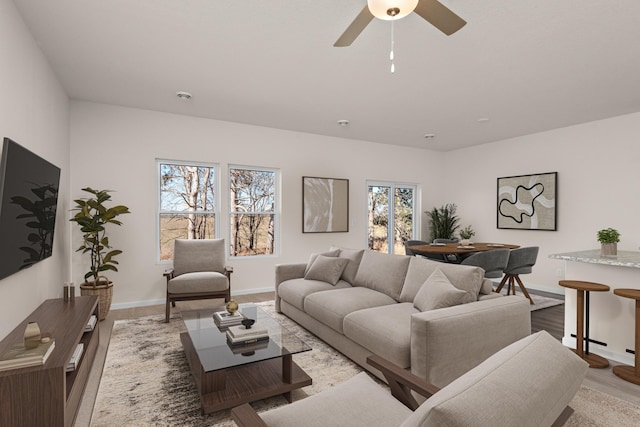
(147, 381)
(540, 301)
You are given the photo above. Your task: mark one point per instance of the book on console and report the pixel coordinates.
(17, 356)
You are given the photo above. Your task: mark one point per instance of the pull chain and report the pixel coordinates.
(393, 66)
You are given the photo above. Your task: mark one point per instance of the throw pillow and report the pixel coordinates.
(438, 292)
(354, 256)
(331, 253)
(326, 269)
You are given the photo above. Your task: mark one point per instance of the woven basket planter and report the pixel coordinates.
(105, 294)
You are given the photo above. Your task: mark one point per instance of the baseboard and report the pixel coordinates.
(146, 303)
(627, 359)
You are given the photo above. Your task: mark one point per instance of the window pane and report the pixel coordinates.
(183, 226)
(186, 188)
(378, 218)
(252, 190)
(403, 218)
(252, 234)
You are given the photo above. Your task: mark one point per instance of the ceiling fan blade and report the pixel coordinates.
(439, 16)
(354, 30)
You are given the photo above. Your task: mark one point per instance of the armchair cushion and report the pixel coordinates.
(357, 402)
(326, 269)
(198, 282)
(438, 292)
(198, 255)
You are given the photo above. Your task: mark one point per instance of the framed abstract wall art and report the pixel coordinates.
(325, 205)
(528, 202)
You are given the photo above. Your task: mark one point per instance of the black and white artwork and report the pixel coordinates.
(528, 202)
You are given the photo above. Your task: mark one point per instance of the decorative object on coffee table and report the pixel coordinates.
(93, 218)
(32, 335)
(608, 238)
(232, 306)
(248, 323)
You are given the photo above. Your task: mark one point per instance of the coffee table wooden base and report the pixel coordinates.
(231, 387)
(594, 360)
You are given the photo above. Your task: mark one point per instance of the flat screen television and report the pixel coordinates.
(28, 203)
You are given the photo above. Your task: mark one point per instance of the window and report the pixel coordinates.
(253, 212)
(187, 203)
(392, 216)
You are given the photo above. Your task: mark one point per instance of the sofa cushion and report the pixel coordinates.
(296, 290)
(333, 252)
(330, 307)
(385, 331)
(357, 402)
(354, 256)
(383, 272)
(438, 292)
(528, 383)
(326, 269)
(465, 277)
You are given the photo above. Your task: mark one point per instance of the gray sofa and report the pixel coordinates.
(437, 319)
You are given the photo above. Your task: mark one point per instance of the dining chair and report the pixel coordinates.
(521, 261)
(408, 243)
(493, 262)
(198, 272)
(455, 258)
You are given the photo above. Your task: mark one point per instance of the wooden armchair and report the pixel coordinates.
(198, 272)
(528, 383)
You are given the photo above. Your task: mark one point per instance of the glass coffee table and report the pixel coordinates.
(227, 376)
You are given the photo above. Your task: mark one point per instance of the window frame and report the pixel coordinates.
(276, 210)
(159, 211)
(417, 205)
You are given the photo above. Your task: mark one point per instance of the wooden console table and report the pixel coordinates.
(47, 395)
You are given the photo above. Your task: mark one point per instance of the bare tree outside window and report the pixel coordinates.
(391, 216)
(252, 211)
(187, 204)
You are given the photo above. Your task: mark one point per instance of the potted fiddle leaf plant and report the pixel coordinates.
(608, 238)
(94, 219)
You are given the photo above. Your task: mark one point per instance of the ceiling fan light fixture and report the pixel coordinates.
(391, 9)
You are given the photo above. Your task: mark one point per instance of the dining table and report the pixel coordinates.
(458, 249)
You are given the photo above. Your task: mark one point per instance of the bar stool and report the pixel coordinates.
(582, 334)
(629, 373)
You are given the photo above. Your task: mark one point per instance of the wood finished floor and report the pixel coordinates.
(550, 319)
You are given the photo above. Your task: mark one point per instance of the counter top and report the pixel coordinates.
(623, 259)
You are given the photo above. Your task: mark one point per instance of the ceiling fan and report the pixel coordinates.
(433, 11)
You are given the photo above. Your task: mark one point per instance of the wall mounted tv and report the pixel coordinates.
(28, 203)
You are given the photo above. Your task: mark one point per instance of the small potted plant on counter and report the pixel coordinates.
(608, 238)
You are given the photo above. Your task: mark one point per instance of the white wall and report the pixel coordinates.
(116, 148)
(598, 165)
(34, 112)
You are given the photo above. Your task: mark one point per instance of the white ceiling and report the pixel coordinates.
(527, 66)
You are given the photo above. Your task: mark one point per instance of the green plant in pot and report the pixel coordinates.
(444, 221)
(466, 234)
(608, 238)
(94, 218)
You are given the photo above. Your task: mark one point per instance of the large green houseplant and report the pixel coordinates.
(94, 218)
(443, 222)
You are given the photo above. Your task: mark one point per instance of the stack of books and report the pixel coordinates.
(239, 335)
(91, 324)
(17, 356)
(75, 359)
(224, 319)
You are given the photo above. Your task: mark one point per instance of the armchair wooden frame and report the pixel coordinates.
(173, 297)
(401, 382)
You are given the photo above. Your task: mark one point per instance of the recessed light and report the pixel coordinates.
(429, 136)
(343, 122)
(185, 96)
(483, 120)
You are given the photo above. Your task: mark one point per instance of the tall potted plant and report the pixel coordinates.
(444, 222)
(608, 238)
(93, 218)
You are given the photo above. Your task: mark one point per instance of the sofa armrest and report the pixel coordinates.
(448, 342)
(286, 272)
